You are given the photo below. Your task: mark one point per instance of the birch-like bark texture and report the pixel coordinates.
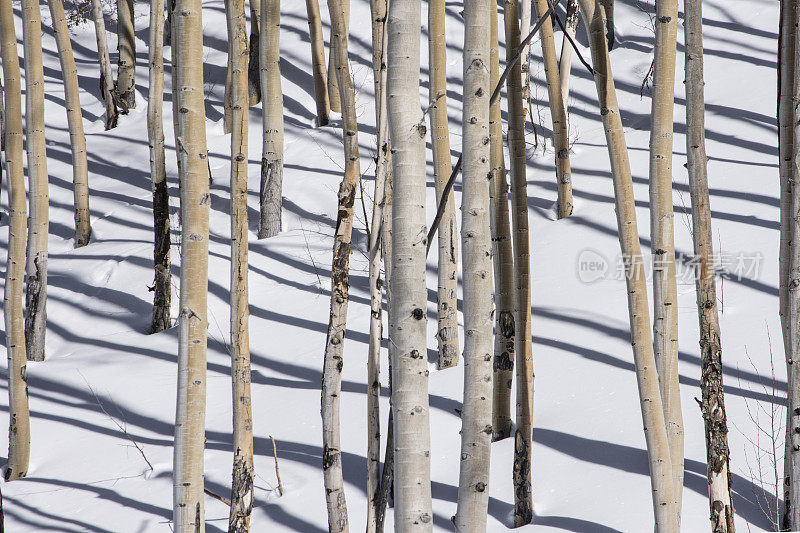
(557, 114)
(476, 414)
(793, 304)
(106, 79)
(19, 439)
(77, 139)
(242, 482)
(662, 234)
(565, 61)
(525, 57)
(333, 82)
(523, 436)
(666, 518)
(340, 280)
(126, 65)
(38, 200)
(162, 285)
(271, 194)
(713, 399)
(447, 328)
(408, 301)
(253, 63)
(190, 135)
(318, 62)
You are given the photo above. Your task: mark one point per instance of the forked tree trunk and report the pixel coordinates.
(106, 79)
(19, 437)
(340, 283)
(565, 61)
(557, 114)
(77, 140)
(190, 135)
(408, 294)
(126, 66)
(38, 222)
(642, 342)
(318, 62)
(476, 415)
(253, 64)
(662, 234)
(271, 197)
(333, 82)
(502, 255)
(523, 436)
(713, 403)
(447, 328)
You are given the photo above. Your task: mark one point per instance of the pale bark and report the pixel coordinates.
(408, 294)
(713, 400)
(271, 195)
(106, 79)
(525, 58)
(447, 328)
(793, 304)
(565, 61)
(126, 47)
(318, 62)
(18, 420)
(190, 135)
(254, 64)
(644, 360)
(77, 140)
(38, 219)
(333, 82)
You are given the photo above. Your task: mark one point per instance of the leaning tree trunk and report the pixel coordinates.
(253, 64)
(502, 255)
(77, 140)
(408, 295)
(333, 82)
(340, 283)
(19, 437)
(565, 62)
(476, 415)
(662, 234)
(190, 135)
(106, 79)
(523, 436)
(643, 355)
(557, 114)
(318, 62)
(271, 199)
(447, 328)
(713, 403)
(38, 223)
(126, 66)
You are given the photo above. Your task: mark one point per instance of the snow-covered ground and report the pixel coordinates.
(107, 384)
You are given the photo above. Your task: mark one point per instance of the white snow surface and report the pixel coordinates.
(106, 383)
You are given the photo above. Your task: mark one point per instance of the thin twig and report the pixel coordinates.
(217, 497)
(277, 472)
(571, 41)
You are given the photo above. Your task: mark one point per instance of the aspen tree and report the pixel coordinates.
(271, 199)
(19, 439)
(38, 220)
(242, 483)
(333, 83)
(253, 64)
(106, 79)
(557, 114)
(126, 47)
(525, 57)
(665, 291)
(340, 280)
(502, 254)
(713, 399)
(190, 135)
(523, 437)
(162, 286)
(447, 330)
(476, 415)
(644, 360)
(408, 295)
(565, 62)
(318, 62)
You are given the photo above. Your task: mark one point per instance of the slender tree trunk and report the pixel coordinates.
(523, 436)
(19, 435)
(643, 355)
(557, 114)
(271, 197)
(608, 7)
(190, 135)
(333, 83)
(447, 330)
(253, 66)
(106, 79)
(126, 66)
(713, 403)
(525, 58)
(793, 304)
(413, 510)
(77, 140)
(318, 62)
(38, 220)
(565, 63)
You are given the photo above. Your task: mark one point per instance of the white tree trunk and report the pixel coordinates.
(318, 62)
(126, 47)
(333, 83)
(793, 392)
(106, 79)
(565, 61)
